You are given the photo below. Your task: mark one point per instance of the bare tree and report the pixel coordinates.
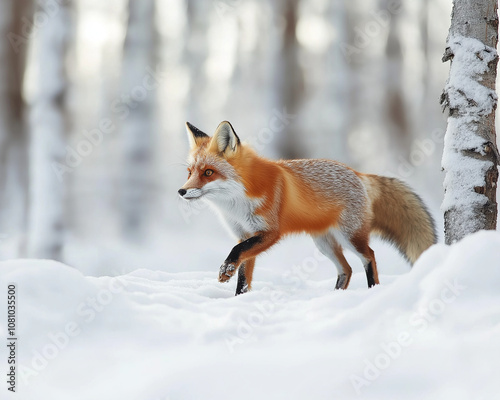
(395, 108)
(470, 158)
(367, 66)
(48, 126)
(13, 140)
(288, 79)
(340, 85)
(195, 54)
(139, 57)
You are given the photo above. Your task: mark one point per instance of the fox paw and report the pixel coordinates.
(226, 271)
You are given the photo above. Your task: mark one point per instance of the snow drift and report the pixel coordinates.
(432, 333)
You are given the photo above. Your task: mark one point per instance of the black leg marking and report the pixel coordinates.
(235, 254)
(228, 268)
(341, 279)
(242, 286)
(369, 274)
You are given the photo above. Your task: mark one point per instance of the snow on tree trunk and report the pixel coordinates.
(470, 157)
(138, 128)
(48, 136)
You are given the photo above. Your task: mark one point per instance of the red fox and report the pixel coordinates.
(262, 201)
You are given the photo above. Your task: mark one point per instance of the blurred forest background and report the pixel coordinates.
(94, 96)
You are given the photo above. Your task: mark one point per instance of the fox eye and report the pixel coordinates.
(208, 172)
(189, 173)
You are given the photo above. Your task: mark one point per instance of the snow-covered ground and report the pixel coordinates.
(432, 332)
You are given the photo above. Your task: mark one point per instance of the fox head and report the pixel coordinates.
(211, 171)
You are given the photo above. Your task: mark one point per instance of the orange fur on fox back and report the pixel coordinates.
(287, 197)
(298, 214)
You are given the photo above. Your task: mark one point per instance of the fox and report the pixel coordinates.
(262, 201)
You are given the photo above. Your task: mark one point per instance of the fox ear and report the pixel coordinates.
(225, 139)
(195, 136)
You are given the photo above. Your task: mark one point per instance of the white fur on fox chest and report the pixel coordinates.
(235, 208)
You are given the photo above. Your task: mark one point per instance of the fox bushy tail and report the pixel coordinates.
(401, 217)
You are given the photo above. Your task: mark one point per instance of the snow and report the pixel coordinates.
(467, 100)
(470, 59)
(463, 173)
(428, 333)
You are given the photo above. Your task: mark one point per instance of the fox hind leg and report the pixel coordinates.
(245, 274)
(361, 244)
(329, 246)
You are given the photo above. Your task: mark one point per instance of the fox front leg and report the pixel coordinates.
(234, 259)
(245, 250)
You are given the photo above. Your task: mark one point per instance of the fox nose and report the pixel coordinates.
(182, 192)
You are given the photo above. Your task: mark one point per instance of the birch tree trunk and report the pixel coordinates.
(288, 79)
(195, 55)
(395, 109)
(339, 86)
(139, 90)
(7, 119)
(470, 157)
(13, 140)
(48, 134)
